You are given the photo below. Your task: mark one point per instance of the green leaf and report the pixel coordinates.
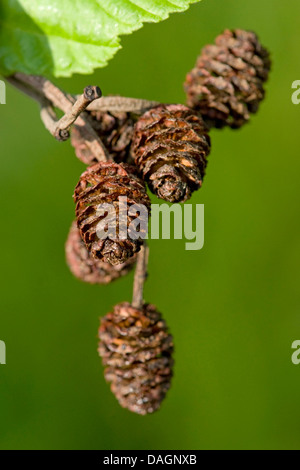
(62, 37)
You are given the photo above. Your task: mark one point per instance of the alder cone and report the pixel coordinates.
(226, 84)
(115, 131)
(136, 350)
(104, 183)
(88, 269)
(170, 148)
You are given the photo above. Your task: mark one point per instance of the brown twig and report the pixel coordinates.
(27, 90)
(117, 104)
(90, 93)
(48, 114)
(140, 276)
(49, 96)
(55, 95)
(49, 118)
(73, 109)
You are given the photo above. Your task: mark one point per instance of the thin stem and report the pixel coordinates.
(140, 276)
(27, 90)
(48, 114)
(49, 95)
(90, 93)
(73, 109)
(117, 104)
(49, 118)
(58, 98)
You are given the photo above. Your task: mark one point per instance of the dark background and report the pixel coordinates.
(232, 307)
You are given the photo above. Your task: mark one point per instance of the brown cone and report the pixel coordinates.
(88, 269)
(136, 349)
(170, 146)
(104, 183)
(226, 84)
(115, 131)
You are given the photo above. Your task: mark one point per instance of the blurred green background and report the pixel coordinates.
(232, 307)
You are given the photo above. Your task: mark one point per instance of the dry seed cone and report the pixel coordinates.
(115, 131)
(136, 350)
(170, 147)
(104, 183)
(88, 269)
(226, 84)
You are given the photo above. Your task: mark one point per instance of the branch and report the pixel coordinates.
(118, 104)
(58, 98)
(27, 90)
(140, 276)
(63, 125)
(47, 93)
(48, 114)
(49, 118)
